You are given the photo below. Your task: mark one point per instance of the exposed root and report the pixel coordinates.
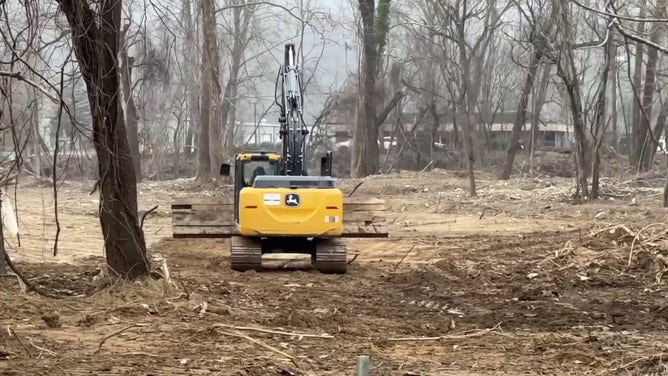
(116, 333)
(454, 336)
(268, 331)
(258, 342)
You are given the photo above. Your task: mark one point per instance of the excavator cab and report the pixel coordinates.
(247, 166)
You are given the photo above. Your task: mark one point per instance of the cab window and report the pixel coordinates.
(254, 168)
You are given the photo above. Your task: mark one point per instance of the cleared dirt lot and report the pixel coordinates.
(517, 281)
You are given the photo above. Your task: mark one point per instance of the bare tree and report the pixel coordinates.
(240, 31)
(96, 45)
(642, 136)
(453, 22)
(211, 79)
(365, 143)
(190, 59)
(540, 27)
(600, 121)
(567, 71)
(207, 129)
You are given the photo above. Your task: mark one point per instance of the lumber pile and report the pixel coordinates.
(209, 217)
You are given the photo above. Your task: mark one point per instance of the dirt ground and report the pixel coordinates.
(518, 281)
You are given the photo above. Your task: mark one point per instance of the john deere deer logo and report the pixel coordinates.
(292, 199)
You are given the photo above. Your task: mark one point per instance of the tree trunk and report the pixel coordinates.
(566, 69)
(538, 103)
(520, 117)
(642, 140)
(665, 187)
(613, 103)
(207, 130)
(242, 19)
(468, 152)
(191, 81)
(365, 149)
(96, 49)
(467, 102)
(211, 74)
(658, 130)
(3, 250)
(601, 121)
(637, 82)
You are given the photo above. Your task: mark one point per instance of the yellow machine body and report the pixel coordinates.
(268, 212)
(281, 206)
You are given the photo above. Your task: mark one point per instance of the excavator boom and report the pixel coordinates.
(293, 130)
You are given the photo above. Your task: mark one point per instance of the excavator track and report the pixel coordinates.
(245, 254)
(331, 257)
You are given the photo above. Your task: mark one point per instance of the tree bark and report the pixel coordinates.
(131, 112)
(468, 98)
(538, 103)
(96, 48)
(365, 132)
(211, 74)
(365, 156)
(207, 129)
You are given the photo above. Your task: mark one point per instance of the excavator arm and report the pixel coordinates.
(293, 129)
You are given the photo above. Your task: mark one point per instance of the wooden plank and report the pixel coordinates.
(362, 200)
(203, 230)
(362, 216)
(214, 200)
(353, 230)
(363, 207)
(204, 236)
(201, 207)
(203, 218)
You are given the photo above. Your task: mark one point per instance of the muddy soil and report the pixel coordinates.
(518, 281)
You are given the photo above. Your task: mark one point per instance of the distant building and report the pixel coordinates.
(548, 134)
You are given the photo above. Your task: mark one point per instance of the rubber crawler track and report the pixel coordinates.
(331, 257)
(245, 254)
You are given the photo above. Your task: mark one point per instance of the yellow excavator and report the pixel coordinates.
(277, 207)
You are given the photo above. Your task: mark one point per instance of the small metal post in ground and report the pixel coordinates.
(363, 365)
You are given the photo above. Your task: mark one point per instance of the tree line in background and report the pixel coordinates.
(129, 79)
